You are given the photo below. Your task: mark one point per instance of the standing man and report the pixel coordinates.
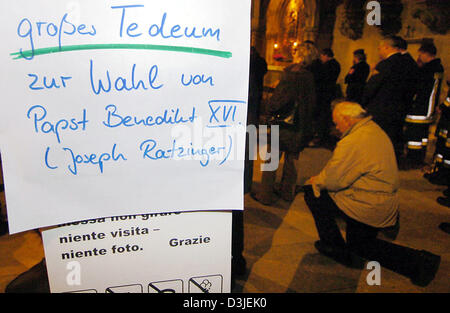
(326, 92)
(360, 184)
(412, 69)
(258, 68)
(385, 94)
(421, 114)
(296, 93)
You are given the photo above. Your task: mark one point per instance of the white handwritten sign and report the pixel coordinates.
(117, 107)
(187, 252)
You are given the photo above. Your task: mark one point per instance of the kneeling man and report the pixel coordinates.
(360, 184)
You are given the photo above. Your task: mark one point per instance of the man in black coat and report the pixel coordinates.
(357, 76)
(386, 93)
(326, 93)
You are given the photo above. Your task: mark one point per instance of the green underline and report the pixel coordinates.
(50, 50)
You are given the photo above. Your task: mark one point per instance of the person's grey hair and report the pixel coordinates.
(350, 109)
(306, 53)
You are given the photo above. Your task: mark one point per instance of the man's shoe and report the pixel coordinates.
(340, 255)
(445, 201)
(34, 280)
(427, 267)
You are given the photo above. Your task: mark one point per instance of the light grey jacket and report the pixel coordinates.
(362, 175)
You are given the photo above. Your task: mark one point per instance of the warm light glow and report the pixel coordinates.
(275, 46)
(295, 44)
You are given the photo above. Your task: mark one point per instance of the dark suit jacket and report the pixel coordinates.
(386, 93)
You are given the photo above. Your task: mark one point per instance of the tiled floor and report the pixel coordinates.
(279, 242)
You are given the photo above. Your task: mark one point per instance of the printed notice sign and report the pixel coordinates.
(187, 252)
(119, 107)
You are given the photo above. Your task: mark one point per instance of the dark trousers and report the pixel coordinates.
(323, 118)
(361, 239)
